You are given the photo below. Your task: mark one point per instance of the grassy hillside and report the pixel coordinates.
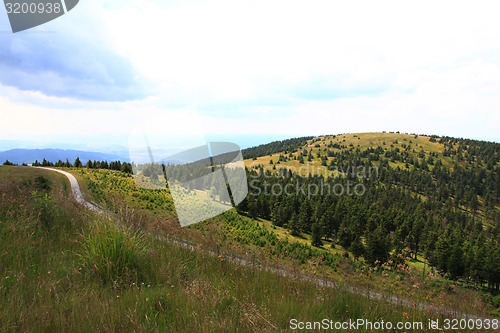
(63, 268)
(417, 146)
(152, 211)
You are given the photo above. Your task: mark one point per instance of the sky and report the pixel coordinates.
(251, 71)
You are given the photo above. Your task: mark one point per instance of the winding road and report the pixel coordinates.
(77, 193)
(279, 270)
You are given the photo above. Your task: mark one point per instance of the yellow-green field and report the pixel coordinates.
(388, 141)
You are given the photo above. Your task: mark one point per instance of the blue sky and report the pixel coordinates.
(253, 70)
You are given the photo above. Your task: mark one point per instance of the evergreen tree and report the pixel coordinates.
(357, 248)
(377, 246)
(294, 225)
(305, 216)
(344, 237)
(316, 234)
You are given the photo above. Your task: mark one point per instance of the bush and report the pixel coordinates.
(43, 183)
(496, 301)
(114, 255)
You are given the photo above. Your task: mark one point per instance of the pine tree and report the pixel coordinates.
(357, 248)
(344, 237)
(305, 216)
(316, 234)
(377, 246)
(455, 264)
(294, 225)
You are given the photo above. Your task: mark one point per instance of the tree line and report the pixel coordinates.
(115, 165)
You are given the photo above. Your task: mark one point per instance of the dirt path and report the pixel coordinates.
(77, 193)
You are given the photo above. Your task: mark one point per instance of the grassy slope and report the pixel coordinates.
(48, 283)
(119, 190)
(363, 141)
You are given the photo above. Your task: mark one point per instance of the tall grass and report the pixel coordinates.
(113, 254)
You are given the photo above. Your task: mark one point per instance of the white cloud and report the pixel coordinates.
(293, 67)
(229, 49)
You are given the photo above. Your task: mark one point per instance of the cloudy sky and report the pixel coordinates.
(253, 70)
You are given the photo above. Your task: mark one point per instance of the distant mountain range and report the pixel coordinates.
(28, 156)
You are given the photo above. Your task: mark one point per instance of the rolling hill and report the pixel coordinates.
(384, 195)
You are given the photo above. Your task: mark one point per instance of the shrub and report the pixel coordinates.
(496, 301)
(43, 183)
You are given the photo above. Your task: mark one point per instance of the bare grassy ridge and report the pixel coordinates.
(388, 141)
(52, 279)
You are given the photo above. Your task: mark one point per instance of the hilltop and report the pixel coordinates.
(396, 147)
